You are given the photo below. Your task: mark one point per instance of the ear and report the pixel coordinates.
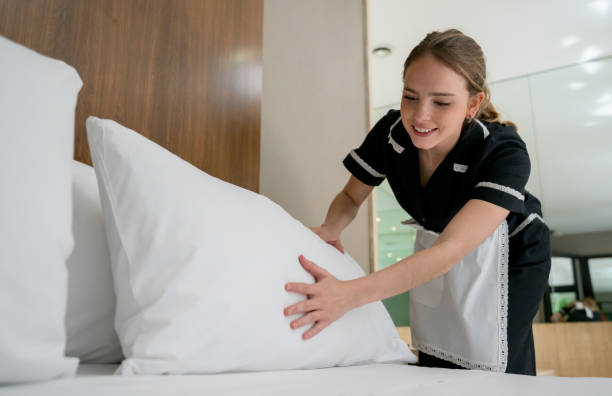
(474, 104)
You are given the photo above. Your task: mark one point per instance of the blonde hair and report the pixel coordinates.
(591, 304)
(462, 54)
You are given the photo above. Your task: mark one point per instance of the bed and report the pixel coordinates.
(378, 379)
(169, 81)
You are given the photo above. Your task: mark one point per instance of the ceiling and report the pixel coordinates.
(518, 37)
(537, 59)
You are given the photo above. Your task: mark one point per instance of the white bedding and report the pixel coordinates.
(375, 379)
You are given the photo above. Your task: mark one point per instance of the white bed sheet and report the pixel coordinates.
(375, 379)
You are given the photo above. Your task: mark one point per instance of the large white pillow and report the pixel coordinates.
(200, 267)
(37, 106)
(90, 312)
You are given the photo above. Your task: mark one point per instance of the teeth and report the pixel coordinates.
(424, 130)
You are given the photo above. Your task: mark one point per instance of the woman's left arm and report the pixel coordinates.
(330, 298)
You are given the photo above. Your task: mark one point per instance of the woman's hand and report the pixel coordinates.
(328, 299)
(329, 237)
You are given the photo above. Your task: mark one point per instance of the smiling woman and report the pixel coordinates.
(433, 118)
(482, 251)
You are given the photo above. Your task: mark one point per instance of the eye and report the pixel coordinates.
(409, 97)
(442, 103)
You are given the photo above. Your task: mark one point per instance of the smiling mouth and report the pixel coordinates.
(423, 132)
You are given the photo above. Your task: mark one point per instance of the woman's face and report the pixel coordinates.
(435, 102)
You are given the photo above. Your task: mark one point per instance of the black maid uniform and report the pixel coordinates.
(479, 314)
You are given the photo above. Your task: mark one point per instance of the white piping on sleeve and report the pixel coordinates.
(505, 189)
(365, 165)
(525, 223)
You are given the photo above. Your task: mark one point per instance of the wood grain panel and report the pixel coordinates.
(575, 349)
(184, 73)
(404, 332)
(579, 349)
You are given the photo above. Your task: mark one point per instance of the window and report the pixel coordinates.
(563, 288)
(600, 271)
(561, 272)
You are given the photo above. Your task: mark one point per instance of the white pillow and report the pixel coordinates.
(200, 267)
(37, 103)
(90, 313)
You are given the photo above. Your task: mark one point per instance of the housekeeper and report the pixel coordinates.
(482, 250)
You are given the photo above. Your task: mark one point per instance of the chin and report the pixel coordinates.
(420, 143)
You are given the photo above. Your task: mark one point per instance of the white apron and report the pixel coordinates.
(462, 316)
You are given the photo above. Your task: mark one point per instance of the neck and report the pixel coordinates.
(436, 155)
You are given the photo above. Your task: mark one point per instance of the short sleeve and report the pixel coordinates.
(367, 162)
(503, 175)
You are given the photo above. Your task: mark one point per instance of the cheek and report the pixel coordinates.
(405, 114)
(458, 115)
(453, 115)
(405, 108)
(451, 121)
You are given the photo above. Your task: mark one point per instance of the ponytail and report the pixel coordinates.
(488, 112)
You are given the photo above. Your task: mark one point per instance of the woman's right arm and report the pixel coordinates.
(342, 211)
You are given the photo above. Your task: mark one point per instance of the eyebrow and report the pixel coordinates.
(431, 94)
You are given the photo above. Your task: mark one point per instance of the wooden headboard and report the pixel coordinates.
(184, 73)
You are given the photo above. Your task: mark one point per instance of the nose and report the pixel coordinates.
(422, 112)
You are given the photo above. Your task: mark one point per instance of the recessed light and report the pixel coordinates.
(382, 51)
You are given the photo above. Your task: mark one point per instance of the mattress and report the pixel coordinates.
(374, 379)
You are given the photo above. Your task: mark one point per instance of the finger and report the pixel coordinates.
(304, 320)
(316, 230)
(301, 307)
(311, 267)
(302, 288)
(338, 245)
(314, 330)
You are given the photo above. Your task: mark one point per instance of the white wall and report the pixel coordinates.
(314, 108)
